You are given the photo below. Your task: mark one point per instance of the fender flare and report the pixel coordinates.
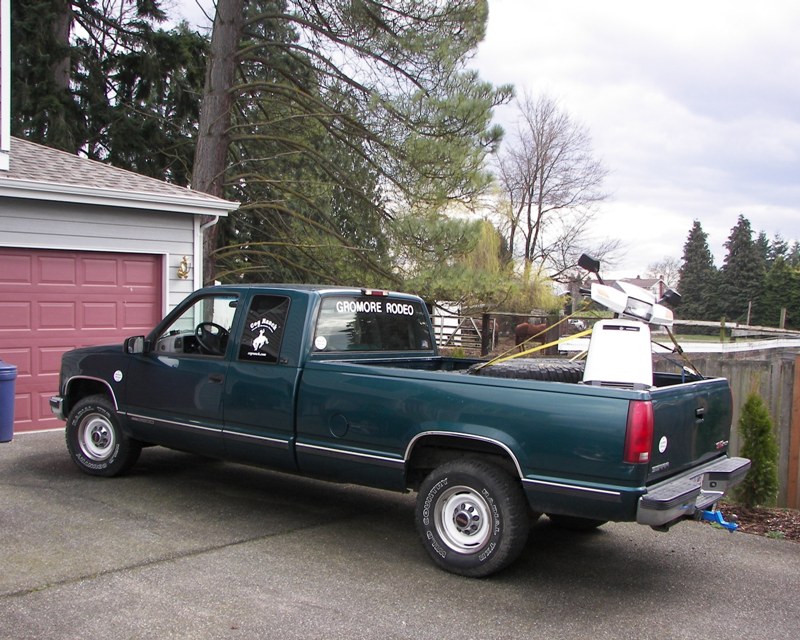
(78, 378)
(455, 435)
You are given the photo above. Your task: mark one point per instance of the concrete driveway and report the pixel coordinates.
(184, 547)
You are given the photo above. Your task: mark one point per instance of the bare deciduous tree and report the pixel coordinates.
(668, 269)
(552, 181)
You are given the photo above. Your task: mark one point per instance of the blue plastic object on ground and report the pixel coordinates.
(717, 517)
(8, 374)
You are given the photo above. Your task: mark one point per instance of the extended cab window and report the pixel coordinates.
(263, 329)
(368, 323)
(201, 329)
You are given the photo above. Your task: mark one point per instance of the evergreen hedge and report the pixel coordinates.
(759, 444)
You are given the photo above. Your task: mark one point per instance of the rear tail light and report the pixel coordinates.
(639, 432)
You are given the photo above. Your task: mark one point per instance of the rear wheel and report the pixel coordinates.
(95, 440)
(472, 517)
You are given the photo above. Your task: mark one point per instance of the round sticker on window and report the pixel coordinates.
(320, 342)
(662, 444)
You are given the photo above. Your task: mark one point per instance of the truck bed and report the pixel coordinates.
(560, 433)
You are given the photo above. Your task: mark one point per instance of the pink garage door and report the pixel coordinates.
(53, 301)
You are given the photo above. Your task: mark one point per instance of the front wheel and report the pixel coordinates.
(472, 517)
(95, 440)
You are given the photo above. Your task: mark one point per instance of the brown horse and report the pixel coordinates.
(526, 330)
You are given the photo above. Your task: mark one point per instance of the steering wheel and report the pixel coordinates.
(212, 337)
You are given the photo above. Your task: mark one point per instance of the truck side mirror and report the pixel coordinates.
(134, 345)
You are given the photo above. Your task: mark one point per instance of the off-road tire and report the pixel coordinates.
(95, 440)
(472, 517)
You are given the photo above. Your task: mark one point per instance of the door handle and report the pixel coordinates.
(216, 378)
(700, 413)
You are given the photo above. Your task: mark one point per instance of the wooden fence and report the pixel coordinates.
(773, 373)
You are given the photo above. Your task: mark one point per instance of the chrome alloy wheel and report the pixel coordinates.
(96, 437)
(463, 519)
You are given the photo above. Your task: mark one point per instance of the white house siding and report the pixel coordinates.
(33, 224)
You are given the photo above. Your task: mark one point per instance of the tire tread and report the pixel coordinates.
(544, 369)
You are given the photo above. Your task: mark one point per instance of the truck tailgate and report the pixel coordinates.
(692, 426)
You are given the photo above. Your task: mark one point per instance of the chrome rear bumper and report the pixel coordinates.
(695, 490)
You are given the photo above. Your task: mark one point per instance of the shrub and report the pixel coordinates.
(760, 487)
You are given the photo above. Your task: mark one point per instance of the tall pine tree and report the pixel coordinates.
(102, 80)
(43, 106)
(763, 247)
(698, 277)
(743, 274)
(779, 285)
(793, 255)
(341, 121)
(778, 248)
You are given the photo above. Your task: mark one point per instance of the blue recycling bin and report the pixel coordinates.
(8, 374)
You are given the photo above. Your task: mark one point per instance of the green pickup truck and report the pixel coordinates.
(347, 385)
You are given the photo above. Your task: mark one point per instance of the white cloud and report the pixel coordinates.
(694, 107)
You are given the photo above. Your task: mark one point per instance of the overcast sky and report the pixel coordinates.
(693, 107)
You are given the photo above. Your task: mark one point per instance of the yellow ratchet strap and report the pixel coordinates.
(505, 355)
(575, 336)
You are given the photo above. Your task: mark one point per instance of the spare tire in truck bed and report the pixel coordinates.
(546, 369)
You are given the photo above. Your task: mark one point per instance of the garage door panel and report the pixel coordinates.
(99, 315)
(15, 316)
(137, 273)
(55, 315)
(21, 358)
(50, 360)
(44, 416)
(17, 269)
(99, 272)
(53, 301)
(23, 413)
(56, 270)
(137, 317)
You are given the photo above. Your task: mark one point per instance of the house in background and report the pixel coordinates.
(89, 254)
(656, 286)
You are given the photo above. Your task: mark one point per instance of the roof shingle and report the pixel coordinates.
(53, 171)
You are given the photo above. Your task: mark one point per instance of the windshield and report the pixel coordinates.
(367, 323)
